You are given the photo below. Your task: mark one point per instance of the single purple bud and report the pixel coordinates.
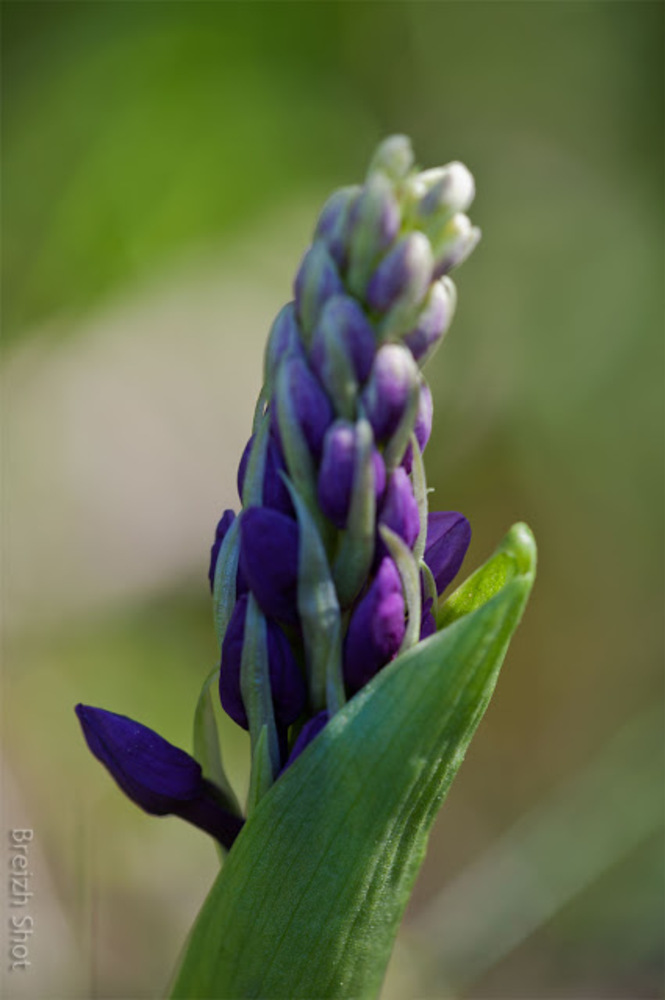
(423, 425)
(399, 511)
(376, 628)
(311, 729)
(427, 619)
(223, 526)
(333, 225)
(448, 537)
(434, 319)
(317, 280)
(157, 776)
(337, 471)
(344, 316)
(287, 685)
(312, 406)
(389, 388)
(269, 561)
(404, 273)
(275, 494)
(284, 339)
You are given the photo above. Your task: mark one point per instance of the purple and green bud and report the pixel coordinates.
(157, 776)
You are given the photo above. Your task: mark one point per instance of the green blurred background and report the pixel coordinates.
(163, 164)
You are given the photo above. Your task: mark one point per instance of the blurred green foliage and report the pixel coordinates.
(136, 135)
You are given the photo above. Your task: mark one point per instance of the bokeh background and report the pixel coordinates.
(163, 164)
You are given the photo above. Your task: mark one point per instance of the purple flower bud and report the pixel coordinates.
(287, 684)
(388, 390)
(311, 729)
(344, 317)
(423, 425)
(317, 280)
(284, 339)
(375, 217)
(269, 561)
(223, 526)
(434, 319)
(405, 272)
(376, 628)
(157, 776)
(275, 494)
(337, 472)
(312, 406)
(333, 225)
(399, 511)
(448, 537)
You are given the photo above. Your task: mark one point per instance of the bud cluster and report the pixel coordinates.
(333, 566)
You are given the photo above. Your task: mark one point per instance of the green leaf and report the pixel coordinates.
(311, 895)
(206, 743)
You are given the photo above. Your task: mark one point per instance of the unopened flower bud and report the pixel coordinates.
(389, 389)
(423, 425)
(287, 686)
(399, 510)
(453, 191)
(376, 628)
(284, 340)
(333, 225)
(269, 561)
(434, 319)
(317, 280)
(338, 469)
(275, 494)
(453, 244)
(343, 319)
(159, 777)
(374, 224)
(223, 526)
(394, 157)
(448, 537)
(404, 274)
(311, 406)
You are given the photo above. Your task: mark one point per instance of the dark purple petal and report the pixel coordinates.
(312, 406)
(337, 471)
(389, 389)
(433, 321)
(399, 511)
(286, 681)
(275, 493)
(311, 729)
(223, 526)
(405, 271)
(343, 315)
(376, 628)
(448, 537)
(269, 560)
(157, 776)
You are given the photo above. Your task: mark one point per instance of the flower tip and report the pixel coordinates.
(394, 157)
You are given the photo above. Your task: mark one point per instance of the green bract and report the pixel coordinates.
(310, 897)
